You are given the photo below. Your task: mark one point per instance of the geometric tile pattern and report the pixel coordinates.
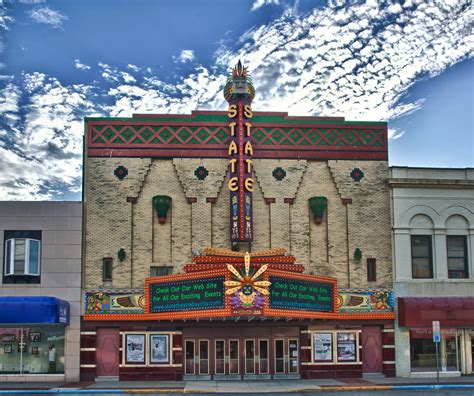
(357, 174)
(158, 135)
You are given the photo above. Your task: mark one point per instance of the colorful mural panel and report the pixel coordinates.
(114, 301)
(365, 301)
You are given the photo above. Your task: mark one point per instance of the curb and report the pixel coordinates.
(182, 390)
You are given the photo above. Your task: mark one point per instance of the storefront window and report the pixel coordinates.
(423, 350)
(32, 350)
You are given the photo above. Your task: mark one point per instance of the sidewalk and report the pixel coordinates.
(270, 387)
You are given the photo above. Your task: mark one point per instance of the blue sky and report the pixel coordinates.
(409, 63)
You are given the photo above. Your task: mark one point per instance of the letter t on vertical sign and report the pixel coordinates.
(239, 93)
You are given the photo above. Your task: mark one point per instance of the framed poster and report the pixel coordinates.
(35, 336)
(323, 347)
(135, 349)
(159, 348)
(7, 338)
(346, 347)
(7, 348)
(34, 350)
(22, 347)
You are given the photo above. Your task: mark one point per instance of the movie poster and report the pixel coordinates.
(159, 348)
(346, 347)
(135, 348)
(323, 347)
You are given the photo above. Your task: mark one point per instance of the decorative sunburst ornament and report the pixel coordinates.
(247, 290)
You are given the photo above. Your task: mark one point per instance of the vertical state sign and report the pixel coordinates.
(239, 92)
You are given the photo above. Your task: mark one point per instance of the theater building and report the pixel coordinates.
(433, 225)
(236, 244)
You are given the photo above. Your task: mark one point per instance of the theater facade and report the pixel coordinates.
(236, 244)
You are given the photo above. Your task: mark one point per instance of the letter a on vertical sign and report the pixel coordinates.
(239, 93)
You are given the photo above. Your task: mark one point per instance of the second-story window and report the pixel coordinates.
(22, 256)
(457, 256)
(371, 270)
(161, 271)
(107, 266)
(421, 257)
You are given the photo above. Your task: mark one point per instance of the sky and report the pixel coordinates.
(409, 63)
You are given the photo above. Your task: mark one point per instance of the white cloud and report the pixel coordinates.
(185, 56)
(32, 1)
(114, 75)
(395, 133)
(48, 16)
(40, 156)
(260, 3)
(81, 66)
(5, 21)
(133, 68)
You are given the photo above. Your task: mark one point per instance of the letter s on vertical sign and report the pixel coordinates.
(248, 111)
(232, 112)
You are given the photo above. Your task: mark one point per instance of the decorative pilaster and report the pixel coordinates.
(201, 181)
(279, 181)
(440, 264)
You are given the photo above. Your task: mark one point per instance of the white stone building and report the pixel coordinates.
(433, 247)
(40, 291)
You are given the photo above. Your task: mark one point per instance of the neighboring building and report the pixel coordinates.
(40, 291)
(171, 200)
(433, 226)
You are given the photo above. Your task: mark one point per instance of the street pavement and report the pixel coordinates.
(382, 386)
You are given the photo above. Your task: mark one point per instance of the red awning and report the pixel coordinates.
(421, 311)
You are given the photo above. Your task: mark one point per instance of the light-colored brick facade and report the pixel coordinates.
(320, 192)
(119, 214)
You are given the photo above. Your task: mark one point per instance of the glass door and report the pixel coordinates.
(452, 352)
(233, 356)
(189, 357)
(263, 356)
(219, 357)
(249, 356)
(293, 355)
(279, 357)
(203, 356)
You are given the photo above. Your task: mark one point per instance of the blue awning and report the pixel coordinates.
(33, 310)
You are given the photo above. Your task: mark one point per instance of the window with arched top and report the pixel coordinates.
(456, 246)
(421, 246)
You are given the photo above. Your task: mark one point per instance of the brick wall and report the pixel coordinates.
(119, 214)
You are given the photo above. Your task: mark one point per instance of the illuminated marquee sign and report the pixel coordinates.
(239, 92)
(229, 291)
(187, 295)
(301, 295)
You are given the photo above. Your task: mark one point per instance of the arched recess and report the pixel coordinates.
(461, 211)
(405, 218)
(421, 221)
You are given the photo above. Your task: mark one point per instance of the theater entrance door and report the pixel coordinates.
(238, 354)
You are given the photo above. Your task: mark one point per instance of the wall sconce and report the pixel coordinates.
(162, 204)
(121, 254)
(318, 206)
(357, 255)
